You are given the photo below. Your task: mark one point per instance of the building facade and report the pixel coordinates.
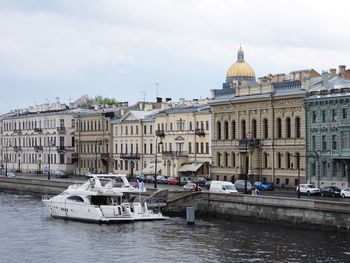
(38, 139)
(328, 130)
(258, 127)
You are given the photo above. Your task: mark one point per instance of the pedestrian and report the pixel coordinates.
(255, 191)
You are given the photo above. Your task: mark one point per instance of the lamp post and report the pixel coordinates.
(298, 167)
(49, 159)
(246, 163)
(6, 159)
(159, 133)
(98, 143)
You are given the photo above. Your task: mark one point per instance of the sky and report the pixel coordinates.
(138, 50)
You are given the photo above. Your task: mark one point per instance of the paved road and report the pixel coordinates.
(277, 192)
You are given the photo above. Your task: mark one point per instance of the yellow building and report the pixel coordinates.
(259, 127)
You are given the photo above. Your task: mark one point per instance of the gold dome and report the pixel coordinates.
(240, 68)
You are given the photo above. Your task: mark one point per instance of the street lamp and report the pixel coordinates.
(6, 158)
(159, 133)
(98, 144)
(298, 166)
(246, 164)
(49, 159)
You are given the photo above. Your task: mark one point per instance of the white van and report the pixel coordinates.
(222, 187)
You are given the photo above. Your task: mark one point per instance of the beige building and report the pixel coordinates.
(38, 139)
(183, 139)
(259, 127)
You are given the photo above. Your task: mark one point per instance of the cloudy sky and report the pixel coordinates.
(121, 49)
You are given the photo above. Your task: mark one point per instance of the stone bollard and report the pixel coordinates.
(190, 217)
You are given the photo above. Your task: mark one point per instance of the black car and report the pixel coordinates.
(330, 191)
(200, 181)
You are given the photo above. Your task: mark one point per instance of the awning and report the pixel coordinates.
(190, 167)
(150, 168)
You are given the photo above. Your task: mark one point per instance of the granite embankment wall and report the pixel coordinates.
(279, 209)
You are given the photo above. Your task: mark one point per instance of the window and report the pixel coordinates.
(324, 142)
(226, 130)
(145, 129)
(265, 129)
(288, 161)
(218, 130)
(288, 128)
(278, 181)
(334, 114)
(324, 168)
(189, 147)
(226, 159)
(202, 147)
(190, 125)
(243, 129)
(297, 128)
(265, 160)
(314, 116)
(233, 130)
(324, 115)
(334, 142)
(150, 148)
(233, 159)
(61, 158)
(254, 132)
(207, 147)
(207, 125)
(345, 113)
(279, 160)
(286, 182)
(218, 159)
(313, 142)
(279, 128)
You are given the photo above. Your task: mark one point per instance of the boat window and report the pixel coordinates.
(75, 198)
(100, 200)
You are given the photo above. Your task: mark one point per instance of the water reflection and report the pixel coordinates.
(27, 234)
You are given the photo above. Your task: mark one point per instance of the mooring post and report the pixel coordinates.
(190, 215)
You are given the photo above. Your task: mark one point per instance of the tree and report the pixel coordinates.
(105, 101)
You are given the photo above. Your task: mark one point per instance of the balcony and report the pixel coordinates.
(61, 130)
(60, 148)
(174, 154)
(38, 148)
(160, 133)
(74, 157)
(17, 148)
(17, 131)
(130, 156)
(199, 132)
(38, 130)
(249, 144)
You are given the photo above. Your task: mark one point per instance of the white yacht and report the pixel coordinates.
(103, 198)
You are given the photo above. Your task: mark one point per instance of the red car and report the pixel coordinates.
(173, 180)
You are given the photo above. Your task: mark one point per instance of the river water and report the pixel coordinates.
(28, 234)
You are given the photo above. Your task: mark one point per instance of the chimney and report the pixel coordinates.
(341, 70)
(333, 72)
(325, 76)
(159, 99)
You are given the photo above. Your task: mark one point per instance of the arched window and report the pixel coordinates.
(243, 129)
(226, 159)
(279, 160)
(265, 129)
(265, 160)
(288, 128)
(297, 128)
(218, 159)
(226, 130)
(254, 133)
(218, 130)
(233, 159)
(279, 128)
(233, 130)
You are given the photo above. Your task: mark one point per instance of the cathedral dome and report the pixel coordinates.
(240, 69)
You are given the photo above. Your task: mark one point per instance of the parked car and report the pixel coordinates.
(263, 186)
(345, 192)
(60, 174)
(309, 189)
(184, 180)
(161, 179)
(149, 179)
(200, 181)
(173, 180)
(222, 187)
(10, 174)
(330, 191)
(192, 187)
(240, 186)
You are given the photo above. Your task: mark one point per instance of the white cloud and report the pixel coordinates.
(186, 44)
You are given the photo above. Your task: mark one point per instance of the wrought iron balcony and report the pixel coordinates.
(17, 148)
(199, 132)
(38, 148)
(249, 144)
(105, 156)
(61, 130)
(38, 130)
(160, 133)
(174, 154)
(60, 148)
(133, 156)
(17, 131)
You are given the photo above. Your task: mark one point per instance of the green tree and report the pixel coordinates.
(105, 101)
